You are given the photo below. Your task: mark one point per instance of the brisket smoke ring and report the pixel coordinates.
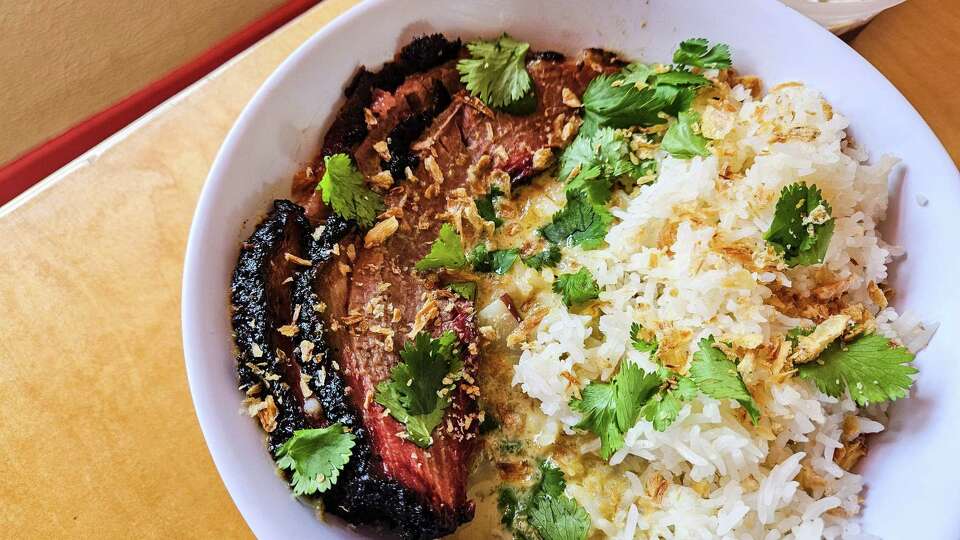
(335, 290)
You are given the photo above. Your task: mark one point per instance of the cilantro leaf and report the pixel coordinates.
(697, 52)
(592, 186)
(637, 96)
(316, 457)
(610, 409)
(716, 376)
(510, 506)
(802, 225)
(496, 72)
(343, 187)
(663, 407)
(592, 163)
(870, 367)
(551, 480)
(545, 512)
(576, 288)
(445, 252)
(677, 77)
(547, 258)
(510, 446)
(415, 393)
(578, 223)
(466, 289)
(559, 518)
(608, 102)
(641, 344)
(487, 208)
(637, 74)
(499, 261)
(606, 148)
(682, 140)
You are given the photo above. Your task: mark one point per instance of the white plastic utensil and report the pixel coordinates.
(841, 16)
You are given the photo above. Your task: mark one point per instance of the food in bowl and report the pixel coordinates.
(521, 294)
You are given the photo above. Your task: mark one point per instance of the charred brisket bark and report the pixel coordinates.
(349, 128)
(261, 304)
(410, 129)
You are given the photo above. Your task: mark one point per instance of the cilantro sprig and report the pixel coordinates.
(487, 208)
(343, 187)
(698, 52)
(639, 95)
(593, 163)
(547, 258)
(662, 408)
(466, 289)
(316, 457)
(610, 409)
(545, 512)
(576, 288)
(802, 225)
(579, 223)
(683, 140)
(641, 344)
(417, 392)
(870, 367)
(498, 261)
(445, 252)
(716, 376)
(609, 102)
(496, 71)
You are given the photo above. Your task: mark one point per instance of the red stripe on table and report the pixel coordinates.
(39, 162)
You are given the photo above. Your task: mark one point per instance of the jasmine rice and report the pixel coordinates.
(685, 258)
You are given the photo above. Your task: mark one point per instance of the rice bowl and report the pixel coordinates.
(698, 297)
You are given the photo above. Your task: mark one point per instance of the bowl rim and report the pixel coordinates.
(193, 257)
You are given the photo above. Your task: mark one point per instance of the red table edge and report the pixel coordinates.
(39, 162)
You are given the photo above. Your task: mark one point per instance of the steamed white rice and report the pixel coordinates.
(724, 480)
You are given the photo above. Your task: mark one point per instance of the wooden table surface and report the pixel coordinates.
(98, 436)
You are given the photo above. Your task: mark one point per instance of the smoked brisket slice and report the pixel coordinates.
(262, 303)
(364, 494)
(356, 303)
(269, 289)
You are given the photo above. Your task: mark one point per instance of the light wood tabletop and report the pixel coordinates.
(99, 437)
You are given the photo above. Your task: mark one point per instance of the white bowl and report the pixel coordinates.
(913, 470)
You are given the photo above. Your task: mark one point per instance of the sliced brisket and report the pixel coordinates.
(358, 300)
(262, 303)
